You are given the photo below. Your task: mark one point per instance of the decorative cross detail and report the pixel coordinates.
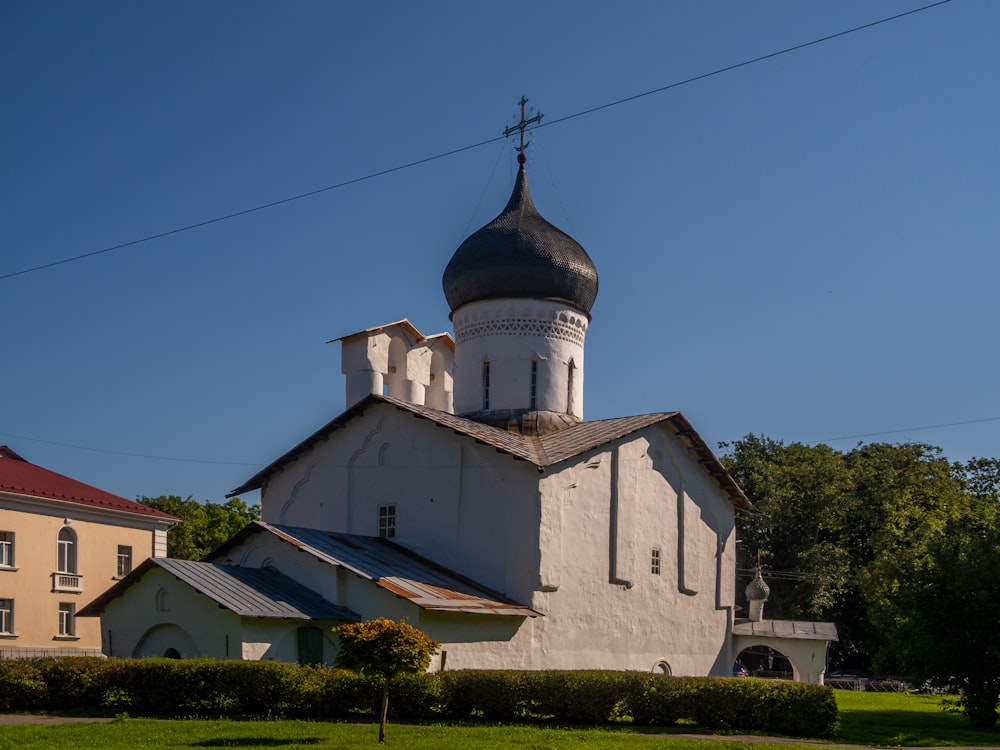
(522, 126)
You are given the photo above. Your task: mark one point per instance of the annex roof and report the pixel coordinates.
(541, 450)
(248, 592)
(391, 567)
(20, 477)
(820, 631)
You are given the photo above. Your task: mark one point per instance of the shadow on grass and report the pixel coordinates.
(256, 742)
(899, 719)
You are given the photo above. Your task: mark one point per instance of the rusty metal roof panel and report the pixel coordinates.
(398, 570)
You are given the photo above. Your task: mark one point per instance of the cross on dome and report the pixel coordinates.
(521, 127)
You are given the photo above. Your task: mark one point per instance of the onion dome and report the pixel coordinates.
(520, 254)
(757, 590)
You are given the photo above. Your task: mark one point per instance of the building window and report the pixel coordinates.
(387, 521)
(570, 377)
(124, 560)
(654, 566)
(534, 385)
(67, 619)
(6, 617)
(486, 384)
(66, 551)
(7, 549)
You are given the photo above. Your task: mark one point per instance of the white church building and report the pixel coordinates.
(463, 490)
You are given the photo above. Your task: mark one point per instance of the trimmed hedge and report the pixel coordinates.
(207, 687)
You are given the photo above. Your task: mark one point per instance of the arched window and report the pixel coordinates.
(162, 603)
(662, 667)
(569, 387)
(66, 551)
(171, 653)
(533, 396)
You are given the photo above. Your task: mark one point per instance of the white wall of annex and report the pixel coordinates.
(161, 612)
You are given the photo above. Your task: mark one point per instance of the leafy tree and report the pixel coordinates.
(384, 648)
(942, 624)
(204, 526)
(837, 527)
(983, 476)
(895, 544)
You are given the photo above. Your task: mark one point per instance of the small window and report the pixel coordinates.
(387, 521)
(486, 384)
(124, 560)
(67, 619)
(66, 551)
(7, 549)
(654, 566)
(6, 617)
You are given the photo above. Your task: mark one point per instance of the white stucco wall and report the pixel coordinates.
(459, 503)
(162, 612)
(574, 543)
(602, 516)
(397, 360)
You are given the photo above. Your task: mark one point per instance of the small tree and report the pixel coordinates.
(384, 648)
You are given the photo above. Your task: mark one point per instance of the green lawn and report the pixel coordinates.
(886, 719)
(895, 719)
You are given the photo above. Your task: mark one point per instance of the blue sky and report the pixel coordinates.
(805, 247)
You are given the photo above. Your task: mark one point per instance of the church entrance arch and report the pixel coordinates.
(764, 661)
(165, 640)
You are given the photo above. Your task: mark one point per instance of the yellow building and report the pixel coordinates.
(62, 543)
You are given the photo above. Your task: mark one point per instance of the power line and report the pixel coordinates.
(133, 455)
(452, 152)
(743, 64)
(908, 429)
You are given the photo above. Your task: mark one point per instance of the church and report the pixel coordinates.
(463, 490)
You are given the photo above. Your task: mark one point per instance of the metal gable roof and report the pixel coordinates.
(248, 592)
(542, 451)
(821, 631)
(391, 567)
(20, 477)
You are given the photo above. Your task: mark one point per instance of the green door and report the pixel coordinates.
(310, 646)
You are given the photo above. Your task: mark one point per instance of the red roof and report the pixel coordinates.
(23, 478)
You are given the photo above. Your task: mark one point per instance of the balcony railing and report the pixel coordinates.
(67, 582)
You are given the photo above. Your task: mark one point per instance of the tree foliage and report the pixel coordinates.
(204, 526)
(895, 544)
(385, 649)
(942, 620)
(838, 527)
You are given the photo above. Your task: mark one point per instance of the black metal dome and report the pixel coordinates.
(520, 254)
